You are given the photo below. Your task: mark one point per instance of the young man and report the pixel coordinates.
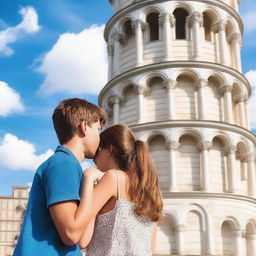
(55, 218)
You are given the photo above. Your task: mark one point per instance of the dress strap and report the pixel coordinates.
(118, 189)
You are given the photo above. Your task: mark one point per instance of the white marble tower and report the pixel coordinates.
(175, 78)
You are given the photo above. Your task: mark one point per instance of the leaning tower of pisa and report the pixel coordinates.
(175, 79)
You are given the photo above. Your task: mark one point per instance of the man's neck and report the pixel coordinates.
(76, 150)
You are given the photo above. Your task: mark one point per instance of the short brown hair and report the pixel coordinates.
(69, 114)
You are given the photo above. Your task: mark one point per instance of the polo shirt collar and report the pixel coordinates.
(62, 148)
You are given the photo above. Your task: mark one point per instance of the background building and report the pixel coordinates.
(11, 214)
(175, 78)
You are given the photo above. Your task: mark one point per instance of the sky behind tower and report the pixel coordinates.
(54, 49)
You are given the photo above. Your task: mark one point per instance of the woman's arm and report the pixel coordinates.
(103, 191)
(154, 234)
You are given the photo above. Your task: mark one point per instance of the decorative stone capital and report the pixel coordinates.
(179, 228)
(251, 156)
(172, 145)
(118, 36)
(230, 150)
(200, 84)
(141, 90)
(240, 98)
(139, 24)
(114, 98)
(219, 26)
(170, 84)
(238, 233)
(196, 17)
(207, 145)
(235, 38)
(226, 88)
(167, 18)
(110, 49)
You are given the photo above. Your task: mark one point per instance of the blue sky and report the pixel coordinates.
(54, 49)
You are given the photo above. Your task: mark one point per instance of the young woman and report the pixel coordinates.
(127, 200)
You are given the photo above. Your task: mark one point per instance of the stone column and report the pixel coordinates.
(200, 86)
(204, 165)
(172, 147)
(196, 21)
(139, 26)
(252, 241)
(251, 175)
(116, 106)
(117, 47)
(241, 111)
(227, 92)
(219, 27)
(167, 22)
(141, 90)
(248, 124)
(236, 42)
(180, 229)
(110, 49)
(170, 85)
(239, 234)
(231, 158)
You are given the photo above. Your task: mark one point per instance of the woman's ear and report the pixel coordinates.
(109, 150)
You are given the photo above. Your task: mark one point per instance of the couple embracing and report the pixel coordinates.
(110, 210)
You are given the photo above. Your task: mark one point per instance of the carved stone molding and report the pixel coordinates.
(196, 17)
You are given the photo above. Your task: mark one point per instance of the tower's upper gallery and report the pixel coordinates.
(121, 4)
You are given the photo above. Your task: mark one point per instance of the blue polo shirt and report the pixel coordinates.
(58, 179)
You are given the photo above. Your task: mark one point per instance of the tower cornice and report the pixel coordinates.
(141, 3)
(195, 123)
(174, 64)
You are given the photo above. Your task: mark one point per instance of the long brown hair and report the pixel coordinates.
(133, 157)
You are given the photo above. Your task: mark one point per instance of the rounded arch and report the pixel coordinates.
(209, 18)
(218, 76)
(188, 132)
(124, 86)
(233, 221)
(126, 26)
(191, 73)
(230, 27)
(152, 134)
(240, 86)
(212, 13)
(223, 136)
(182, 5)
(195, 208)
(151, 9)
(148, 77)
(252, 223)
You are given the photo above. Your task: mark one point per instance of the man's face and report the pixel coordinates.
(92, 139)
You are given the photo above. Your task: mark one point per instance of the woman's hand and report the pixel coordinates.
(93, 174)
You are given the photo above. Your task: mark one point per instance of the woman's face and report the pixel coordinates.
(101, 159)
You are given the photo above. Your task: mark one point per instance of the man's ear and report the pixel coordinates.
(83, 129)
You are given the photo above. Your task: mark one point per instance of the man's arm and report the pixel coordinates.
(71, 218)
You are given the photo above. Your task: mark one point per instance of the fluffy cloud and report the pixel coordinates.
(250, 20)
(9, 100)
(28, 25)
(76, 64)
(251, 76)
(19, 154)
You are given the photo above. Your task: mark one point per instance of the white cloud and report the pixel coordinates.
(10, 101)
(28, 25)
(77, 63)
(251, 76)
(19, 154)
(250, 21)
(87, 163)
